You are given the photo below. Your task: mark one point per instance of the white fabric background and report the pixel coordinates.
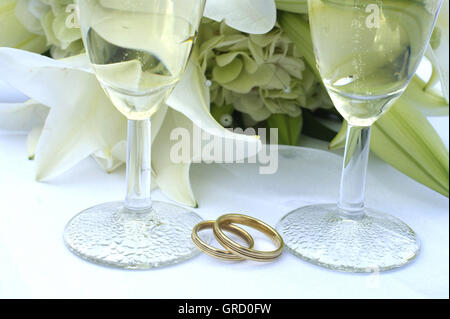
(34, 262)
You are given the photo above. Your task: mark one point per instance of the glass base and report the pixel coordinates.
(370, 242)
(110, 235)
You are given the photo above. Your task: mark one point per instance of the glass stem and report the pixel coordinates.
(353, 181)
(139, 168)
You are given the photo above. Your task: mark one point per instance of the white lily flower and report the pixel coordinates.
(29, 116)
(82, 121)
(249, 16)
(77, 112)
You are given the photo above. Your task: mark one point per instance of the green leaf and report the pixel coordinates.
(296, 6)
(424, 99)
(289, 128)
(406, 140)
(221, 112)
(314, 128)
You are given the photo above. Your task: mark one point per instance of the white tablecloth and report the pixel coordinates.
(35, 263)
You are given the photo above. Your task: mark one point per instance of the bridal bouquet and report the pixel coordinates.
(253, 66)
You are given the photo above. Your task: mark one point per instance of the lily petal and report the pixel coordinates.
(82, 115)
(113, 157)
(190, 110)
(172, 178)
(250, 16)
(191, 98)
(33, 140)
(22, 116)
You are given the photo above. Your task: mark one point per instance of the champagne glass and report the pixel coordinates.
(138, 50)
(367, 51)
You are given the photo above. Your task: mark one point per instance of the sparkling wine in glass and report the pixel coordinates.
(367, 52)
(138, 50)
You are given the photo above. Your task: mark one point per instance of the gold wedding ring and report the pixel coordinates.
(244, 252)
(218, 253)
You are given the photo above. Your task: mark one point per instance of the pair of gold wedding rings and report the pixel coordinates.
(235, 251)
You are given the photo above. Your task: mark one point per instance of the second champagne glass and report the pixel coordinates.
(367, 52)
(138, 50)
